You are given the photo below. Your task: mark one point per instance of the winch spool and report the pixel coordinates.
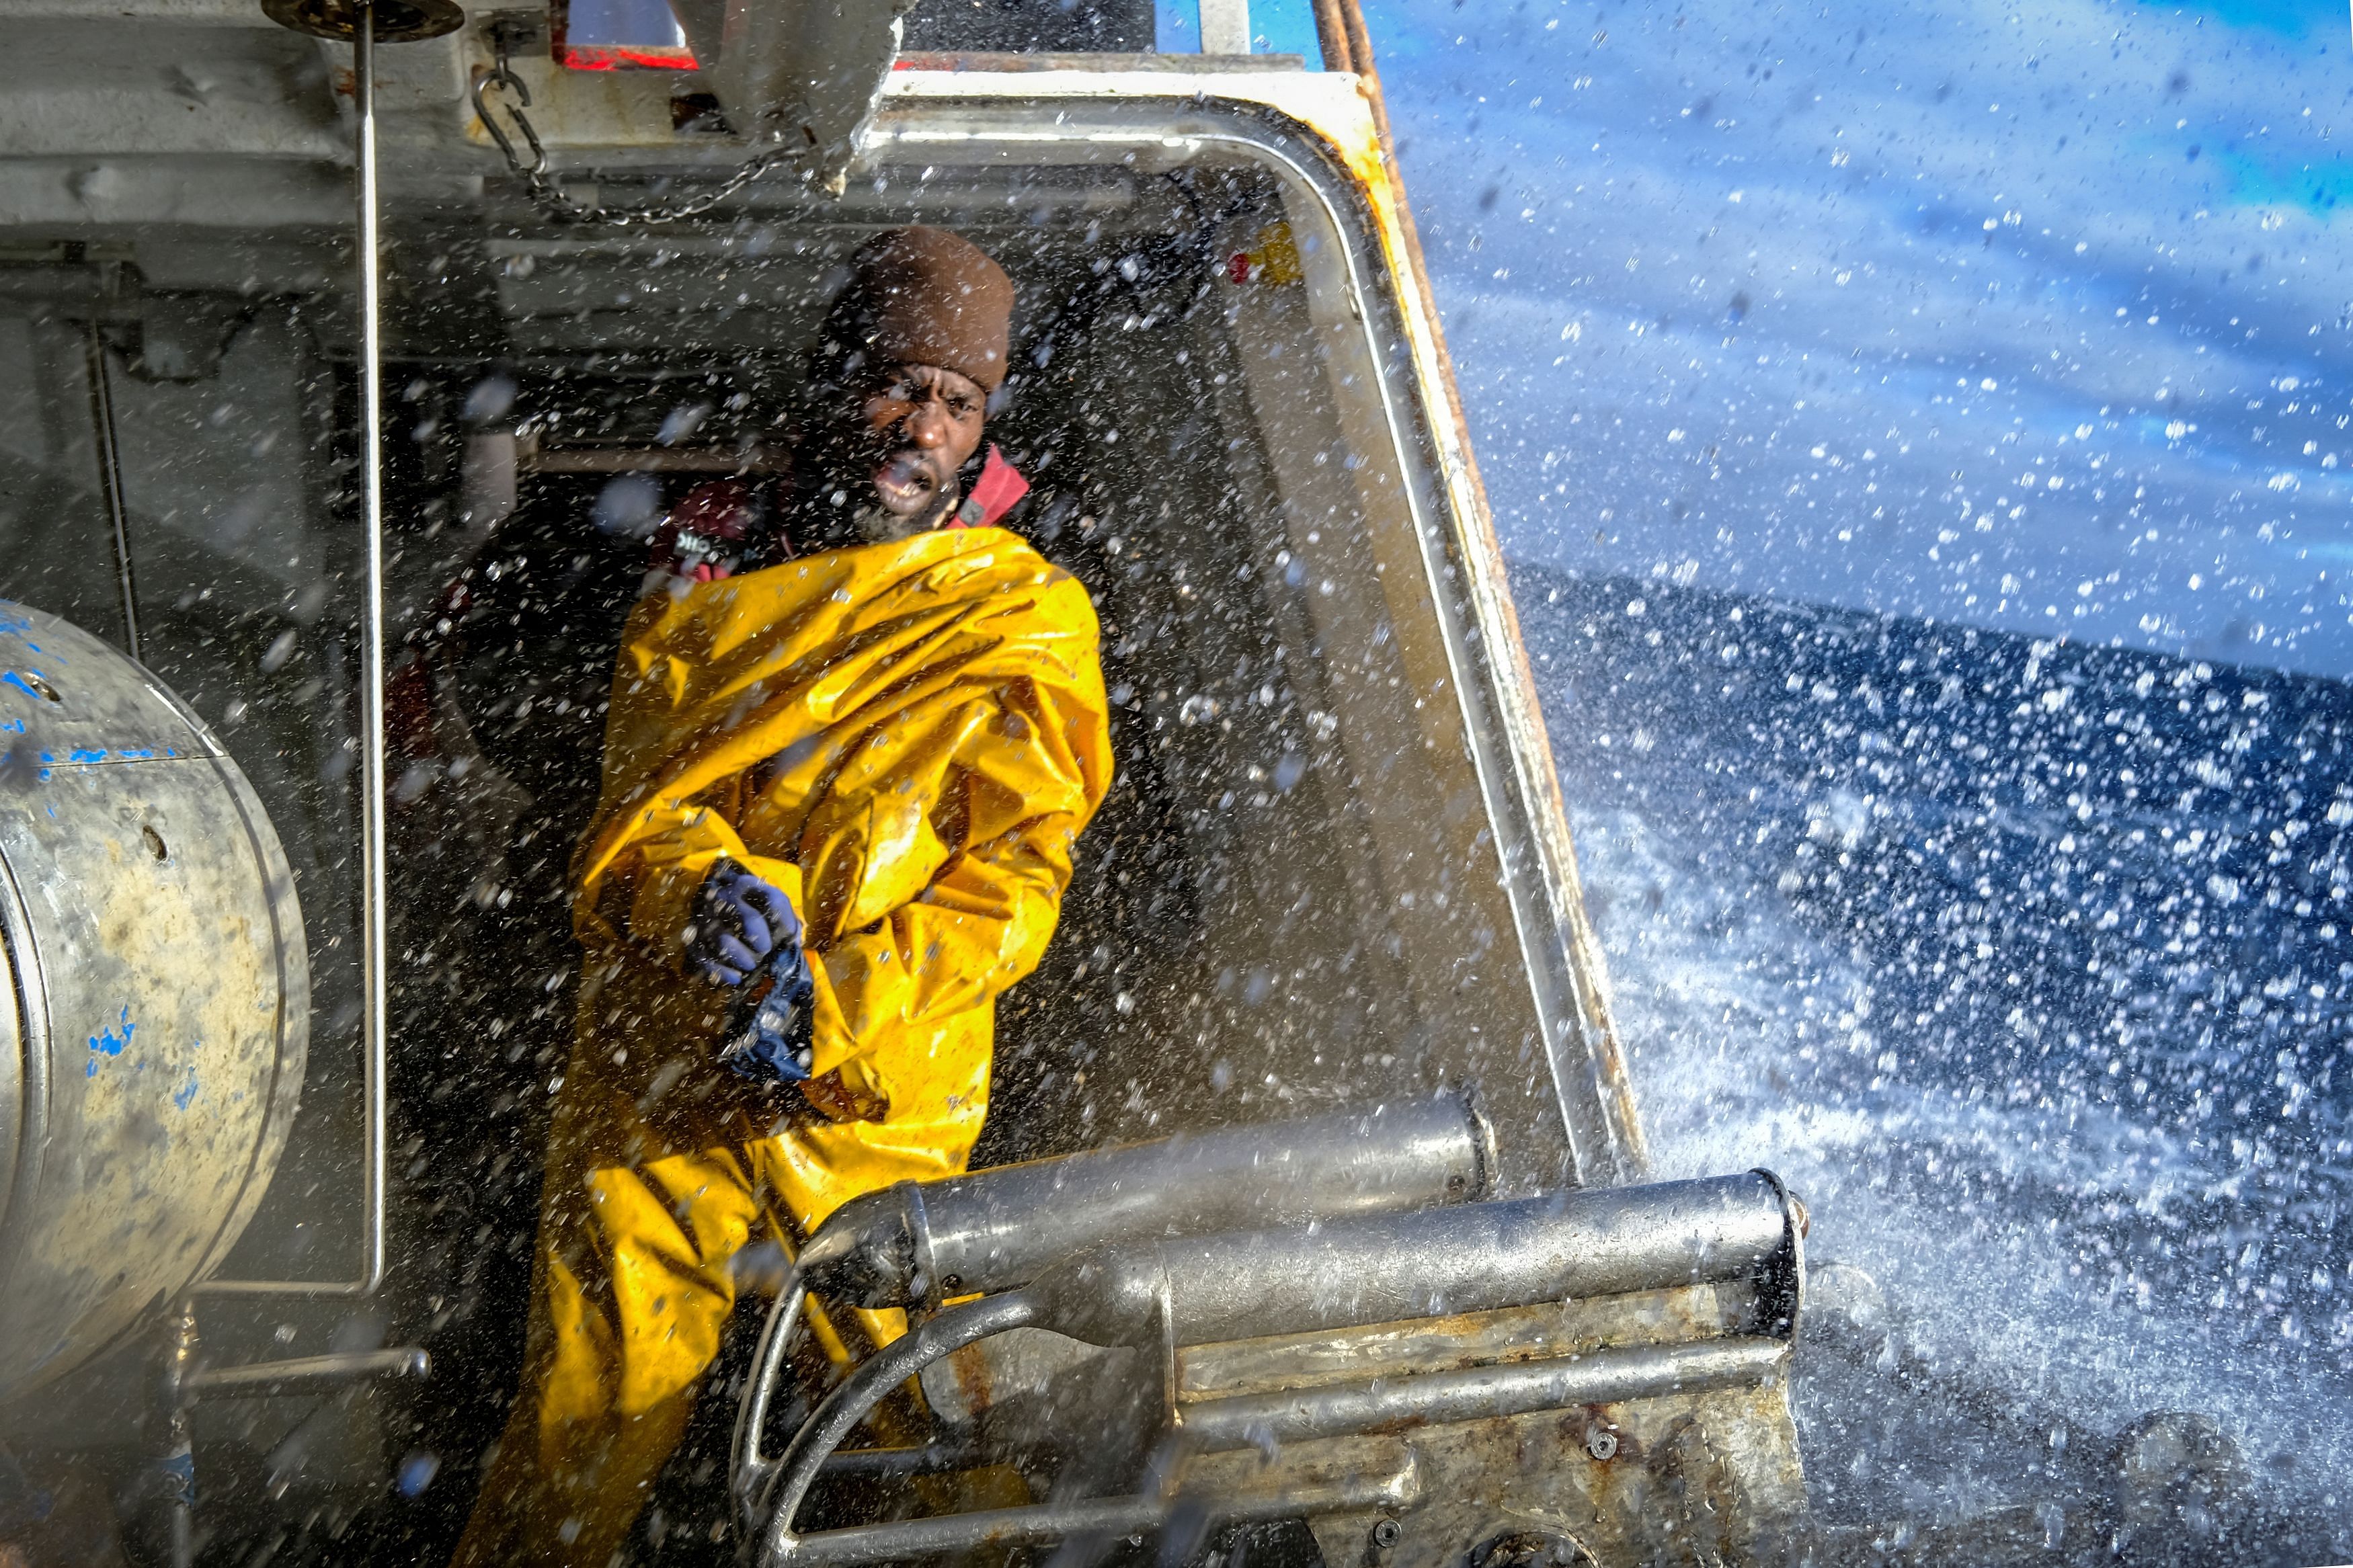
(156, 1014)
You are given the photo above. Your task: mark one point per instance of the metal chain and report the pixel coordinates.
(550, 197)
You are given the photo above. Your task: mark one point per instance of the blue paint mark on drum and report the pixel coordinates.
(11, 678)
(109, 1044)
(187, 1092)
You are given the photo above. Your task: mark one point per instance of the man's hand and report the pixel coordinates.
(739, 920)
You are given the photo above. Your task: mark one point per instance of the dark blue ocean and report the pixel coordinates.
(2029, 964)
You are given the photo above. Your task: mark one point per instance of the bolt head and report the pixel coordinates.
(1601, 1443)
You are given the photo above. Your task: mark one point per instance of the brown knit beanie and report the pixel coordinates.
(923, 296)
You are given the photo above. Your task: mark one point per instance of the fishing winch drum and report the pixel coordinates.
(156, 1014)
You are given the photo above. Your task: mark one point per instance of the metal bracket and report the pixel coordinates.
(305, 1374)
(180, 1384)
(797, 77)
(517, 34)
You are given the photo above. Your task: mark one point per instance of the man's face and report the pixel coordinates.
(908, 430)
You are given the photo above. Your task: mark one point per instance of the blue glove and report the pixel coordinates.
(746, 936)
(768, 1036)
(739, 920)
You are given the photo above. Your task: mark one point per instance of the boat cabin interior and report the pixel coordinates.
(1318, 879)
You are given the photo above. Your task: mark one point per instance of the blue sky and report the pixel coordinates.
(2028, 317)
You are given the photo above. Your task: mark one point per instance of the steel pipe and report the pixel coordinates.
(917, 1243)
(1385, 1268)
(987, 1231)
(929, 1460)
(305, 1374)
(916, 1539)
(857, 1395)
(373, 894)
(748, 1469)
(1332, 37)
(109, 482)
(1478, 1394)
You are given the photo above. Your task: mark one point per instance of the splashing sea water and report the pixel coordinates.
(2041, 1001)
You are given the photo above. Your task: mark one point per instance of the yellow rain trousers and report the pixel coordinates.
(906, 738)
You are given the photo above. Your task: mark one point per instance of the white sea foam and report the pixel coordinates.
(1753, 1044)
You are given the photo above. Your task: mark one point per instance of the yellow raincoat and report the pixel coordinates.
(906, 738)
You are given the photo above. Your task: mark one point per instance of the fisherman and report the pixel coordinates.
(854, 736)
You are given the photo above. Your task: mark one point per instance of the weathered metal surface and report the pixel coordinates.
(1707, 1481)
(1425, 1345)
(914, 1242)
(1475, 1257)
(800, 76)
(160, 998)
(1221, 1494)
(1600, 1399)
(1677, 1475)
(1017, 1388)
(1682, 1478)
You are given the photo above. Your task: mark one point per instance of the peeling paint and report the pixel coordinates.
(108, 1044)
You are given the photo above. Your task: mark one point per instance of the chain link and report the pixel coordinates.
(551, 199)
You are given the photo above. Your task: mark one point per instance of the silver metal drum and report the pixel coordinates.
(154, 997)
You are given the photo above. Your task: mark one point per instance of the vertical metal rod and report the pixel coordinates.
(109, 482)
(374, 1075)
(373, 902)
(1332, 35)
(174, 1477)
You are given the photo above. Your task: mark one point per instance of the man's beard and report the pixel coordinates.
(838, 507)
(876, 524)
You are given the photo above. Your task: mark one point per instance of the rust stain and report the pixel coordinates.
(969, 1369)
(1512, 1336)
